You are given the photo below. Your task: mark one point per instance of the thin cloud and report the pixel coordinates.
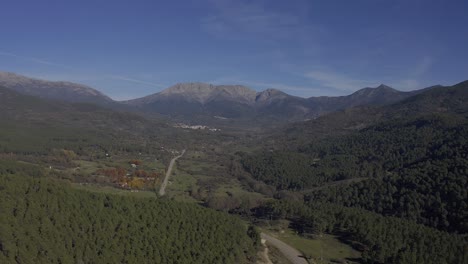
(407, 84)
(123, 78)
(339, 81)
(423, 66)
(33, 59)
(234, 19)
(413, 80)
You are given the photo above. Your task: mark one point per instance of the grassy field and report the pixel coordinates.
(112, 190)
(205, 170)
(90, 181)
(276, 257)
(148, 164)
(323, 249)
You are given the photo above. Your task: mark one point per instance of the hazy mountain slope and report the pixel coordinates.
(63, 91)
(34, 125)
(381, 95)
(436, 99)
(406, 160)
(192, 99)
(20, 107)
(279, 105)
(189, 100)
(202, 102)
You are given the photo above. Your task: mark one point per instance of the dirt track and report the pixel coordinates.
(162, 190)
(289, 252)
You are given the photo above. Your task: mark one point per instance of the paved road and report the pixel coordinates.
(289, 252)
(162, 190)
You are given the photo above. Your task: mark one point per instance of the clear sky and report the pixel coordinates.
(128, 49)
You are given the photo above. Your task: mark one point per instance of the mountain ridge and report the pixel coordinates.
(198, 101)
(56, 90)
(237, 101)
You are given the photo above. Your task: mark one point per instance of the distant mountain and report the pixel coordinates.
(202, 102)
(381, 95)
(189, 100)
(279, 105)
(407, 159)
(63, 91)
(435, 100)
(192, 99)
(27, 110)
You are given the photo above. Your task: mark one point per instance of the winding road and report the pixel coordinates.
(289, 252)
(162, 190)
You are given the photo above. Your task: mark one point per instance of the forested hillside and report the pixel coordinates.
(449, 100)
(234, 132)
(381, 239)
(44, 221)
(35, 129)
(414, 167)
(426, 183)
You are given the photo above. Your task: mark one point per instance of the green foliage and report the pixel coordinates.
(48, 222)
(382, 239)
(418, 167)
(368, 153)
(433, 194)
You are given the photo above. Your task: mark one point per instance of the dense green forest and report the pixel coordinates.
(381, 239)
(418, 170)
(370, 152)
(431, 192)
(45, 221)
(391, 181)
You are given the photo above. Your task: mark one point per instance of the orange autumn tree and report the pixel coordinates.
(136, 183)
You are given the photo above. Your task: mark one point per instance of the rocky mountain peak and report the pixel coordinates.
(58, 90)
(204, 92)
(269, 94)
(385, 87)
(380, 90)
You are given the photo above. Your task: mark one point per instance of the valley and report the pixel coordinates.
(234, 132)
(327, 186)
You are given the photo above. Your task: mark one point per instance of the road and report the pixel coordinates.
(162, 190)
(289, 252)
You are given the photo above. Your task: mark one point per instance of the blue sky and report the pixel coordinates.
(128, 49)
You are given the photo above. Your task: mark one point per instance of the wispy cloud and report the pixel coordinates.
(407, 84)
(74, 76)
(415, 75)
(127, 79)
(233, 19)
(423, 66)
(338, 81)
(33, 59)
(249, 18)
(342, 82)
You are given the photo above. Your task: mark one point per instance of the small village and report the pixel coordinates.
(196, 127)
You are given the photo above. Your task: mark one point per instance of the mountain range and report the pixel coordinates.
(434, 101)
(201, 101)
(62, 91)
(237, 102)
